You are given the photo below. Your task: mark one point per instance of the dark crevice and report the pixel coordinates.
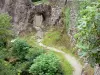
(43, 15)
(35, 0)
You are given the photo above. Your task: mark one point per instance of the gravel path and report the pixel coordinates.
(72, 60)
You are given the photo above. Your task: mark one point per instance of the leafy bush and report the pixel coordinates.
(88, 35)
(6, 68)
(5, 32)
(46, 64)
(22, 67)
(34, 52)
(20, 48)
(4, 53)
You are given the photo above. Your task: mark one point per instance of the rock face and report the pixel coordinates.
(19, 10)
(23, 13)
(72, 5)
(57, 7)
(97, 69)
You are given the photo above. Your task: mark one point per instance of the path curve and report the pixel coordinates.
(74, 62)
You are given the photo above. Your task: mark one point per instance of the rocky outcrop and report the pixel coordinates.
(97, 69)
(23, 12)
(57, 8)
(72, 5)
(19, 10)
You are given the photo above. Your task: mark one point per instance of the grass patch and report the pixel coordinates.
(61, 41)
(66, 67)
(57, 39)
(51, 38)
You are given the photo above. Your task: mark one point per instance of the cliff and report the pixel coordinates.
(24, 13)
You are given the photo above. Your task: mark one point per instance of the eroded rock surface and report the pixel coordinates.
(19, 10)
(23, 14)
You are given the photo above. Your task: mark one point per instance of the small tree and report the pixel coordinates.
(46, 64)
(5, 31)
(20, 48)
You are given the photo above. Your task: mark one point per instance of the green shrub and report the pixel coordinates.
(46, 64)
(5, 32)
(20, 48)
(4, 53)
(34, 52)
(6, 68)
(22, 67)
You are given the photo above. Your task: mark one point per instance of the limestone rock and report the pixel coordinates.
(23, 13)
(19, 10)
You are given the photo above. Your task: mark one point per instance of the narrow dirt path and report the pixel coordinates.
(74, 62)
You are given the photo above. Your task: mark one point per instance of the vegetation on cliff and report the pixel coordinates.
(23, 55)
(88, 34)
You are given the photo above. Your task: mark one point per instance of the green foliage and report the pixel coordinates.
(4, 53)
(6, 68)
(5, 31)
(22, 67)
(20, 48)
(34, 52)
(1, 43)
(46, 64)
(88, 35)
